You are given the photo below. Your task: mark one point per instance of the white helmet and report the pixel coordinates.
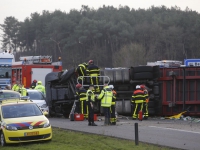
(111, 86)
(137, 87)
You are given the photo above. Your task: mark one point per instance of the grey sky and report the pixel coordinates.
(21, 9)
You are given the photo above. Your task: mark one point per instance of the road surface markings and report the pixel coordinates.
(174, 129)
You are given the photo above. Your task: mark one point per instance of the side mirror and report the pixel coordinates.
(45, 113)
(25, 98)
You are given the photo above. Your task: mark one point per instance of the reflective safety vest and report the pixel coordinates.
(23, 91)
(15, 87)
(138, 96)
(91, 95)
(40, 88)
(106, 97)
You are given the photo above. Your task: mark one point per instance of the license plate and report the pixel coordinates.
(31, 133)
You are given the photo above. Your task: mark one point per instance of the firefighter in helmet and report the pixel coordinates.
(137, 101)
(82, 97)
(81, 70)
(145, 105)
(93, 71)
(106, 101)
(112, 108)
(33, 84)
(40, 87)
(90, 102)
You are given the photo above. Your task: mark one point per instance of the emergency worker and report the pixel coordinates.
(33, 84)
(90, 102)
(145, 107)
(82, 97)
(112, 108)
(81, 70)
(40, 87)
(22, 90)
(137, 101)
(16, 86)
(106, 99)
(93, 71)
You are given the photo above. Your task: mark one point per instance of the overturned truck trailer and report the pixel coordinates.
(61, 91)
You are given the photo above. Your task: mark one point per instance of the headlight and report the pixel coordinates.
(47, 124)
(11, 128)
(44, 106)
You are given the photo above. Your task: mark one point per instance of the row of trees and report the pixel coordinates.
(112, 37)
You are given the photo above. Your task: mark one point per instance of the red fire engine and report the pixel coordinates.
(31, 68)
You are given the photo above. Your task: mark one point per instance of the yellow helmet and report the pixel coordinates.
(39, 82)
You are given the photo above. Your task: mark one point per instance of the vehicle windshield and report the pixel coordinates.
(5, 72)
(9, 95)
(20, 110)
(35, 95)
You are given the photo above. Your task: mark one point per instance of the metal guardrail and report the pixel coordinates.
(105, 79)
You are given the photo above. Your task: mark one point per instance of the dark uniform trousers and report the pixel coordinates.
(91, 113)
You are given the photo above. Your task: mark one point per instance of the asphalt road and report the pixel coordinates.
(172, 133)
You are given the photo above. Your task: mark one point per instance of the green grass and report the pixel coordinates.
(70, 140)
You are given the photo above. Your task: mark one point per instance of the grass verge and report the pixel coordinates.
(71, 140)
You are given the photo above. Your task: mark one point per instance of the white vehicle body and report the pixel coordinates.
(38, 98)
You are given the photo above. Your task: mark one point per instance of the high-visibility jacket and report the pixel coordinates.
(138, 96)
(90, 96)
(23, 91)
(93, 70)
(106, 97)
(82, 94)
(40, 88)
(15, 87)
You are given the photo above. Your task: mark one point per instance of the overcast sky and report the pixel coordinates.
(20, 9)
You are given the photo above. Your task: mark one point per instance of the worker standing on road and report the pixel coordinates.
(145, 107)
(22, 90)
(106, 99)
(40, 87)
(93, 71)
(16, 86)
(112, 108)
(33, 84)
(90, 102)
(138, 99)
(81, 70)
(82, 97)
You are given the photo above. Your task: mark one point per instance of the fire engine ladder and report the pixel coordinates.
(37, 59)
(105, 79)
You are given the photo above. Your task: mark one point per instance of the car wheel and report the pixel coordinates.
(3, 142)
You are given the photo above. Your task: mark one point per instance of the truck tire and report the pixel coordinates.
(143, 75)
(151, 104)
(151, 96)
(156, 90)
(151, 111)
(142, 69)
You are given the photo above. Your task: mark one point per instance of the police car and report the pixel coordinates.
(21, 120)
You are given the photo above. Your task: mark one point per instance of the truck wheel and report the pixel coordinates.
(151, 104)
(143, 75)
(142, 69)
(151, 111)
(156, 90)
(3, 142)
